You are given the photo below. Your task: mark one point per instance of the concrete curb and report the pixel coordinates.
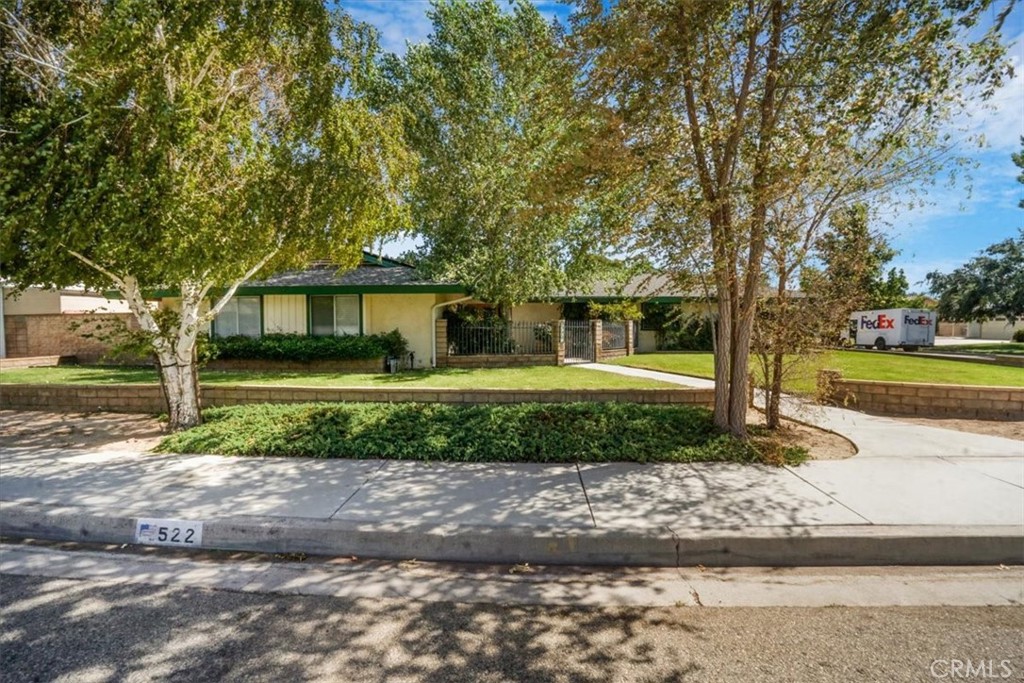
(755, 546)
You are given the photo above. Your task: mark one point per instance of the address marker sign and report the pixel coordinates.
(177, 532)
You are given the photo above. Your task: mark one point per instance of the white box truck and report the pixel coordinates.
(905, 328)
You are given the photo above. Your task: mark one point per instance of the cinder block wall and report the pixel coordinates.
(933, 400)
(147, 398)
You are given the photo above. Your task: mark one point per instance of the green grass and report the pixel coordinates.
(887, 367)
(529, 432)
(498, 378)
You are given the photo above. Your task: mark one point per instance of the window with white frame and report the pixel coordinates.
(240, 316)
(334, 315)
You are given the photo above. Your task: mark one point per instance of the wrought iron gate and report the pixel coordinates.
(579, 342)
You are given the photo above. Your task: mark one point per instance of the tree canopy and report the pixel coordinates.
(740, 108)
(500, 202)
(187, 145)
(988, 286)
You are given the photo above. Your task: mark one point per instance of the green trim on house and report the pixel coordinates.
(374, 260)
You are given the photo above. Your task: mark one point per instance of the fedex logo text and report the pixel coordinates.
(882, 322)
(919, 320)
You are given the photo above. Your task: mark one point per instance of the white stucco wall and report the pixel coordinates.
(408, 313)
(284, 314)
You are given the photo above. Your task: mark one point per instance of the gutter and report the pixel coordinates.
(433, 319)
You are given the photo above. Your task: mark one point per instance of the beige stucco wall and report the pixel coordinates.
(409, 313)
(31, 302)
(536, 313)
(284, 314)
(647, 341)
(82, 303)
(993, 329)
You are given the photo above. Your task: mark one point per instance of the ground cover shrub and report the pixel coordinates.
(528, 432)
(296, 347)
(1018, 336)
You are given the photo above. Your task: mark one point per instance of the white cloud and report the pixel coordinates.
(399, 21)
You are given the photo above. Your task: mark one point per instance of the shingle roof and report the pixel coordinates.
(649, 286)
(322, 275)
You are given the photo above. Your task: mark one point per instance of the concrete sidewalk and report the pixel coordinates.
(874, 436)
(865, 510)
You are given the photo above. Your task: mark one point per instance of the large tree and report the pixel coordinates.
(988, 286)
(742, 108)
(501, 201)
(187, 146)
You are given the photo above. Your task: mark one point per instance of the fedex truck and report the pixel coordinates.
(905, 328)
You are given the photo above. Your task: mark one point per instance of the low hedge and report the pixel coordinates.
(296, 347)
(529, 432)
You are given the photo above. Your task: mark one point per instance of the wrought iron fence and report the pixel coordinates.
(579, 341)
(613, 335)
(500, 338)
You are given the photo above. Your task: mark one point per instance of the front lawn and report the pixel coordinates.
(887, 367)
(530, 432)
(528, 378)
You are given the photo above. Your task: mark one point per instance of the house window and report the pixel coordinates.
(334, 315)
(240, 316)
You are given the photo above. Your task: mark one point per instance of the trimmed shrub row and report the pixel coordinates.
(297, 347)
(529, 432)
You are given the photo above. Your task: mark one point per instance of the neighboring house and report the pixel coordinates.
(54, 322)
(381, 295)
(999, 328)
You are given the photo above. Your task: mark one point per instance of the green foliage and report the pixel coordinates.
(578, 432)
(988, 286)
(854, 276)
(738, 109)
(687, 333)
(296, 347)
(617, 311)
(175, 142)
(1018, 336)
(488, 108)
(188, 145)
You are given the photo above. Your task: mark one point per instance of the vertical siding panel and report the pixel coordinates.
(284, 313)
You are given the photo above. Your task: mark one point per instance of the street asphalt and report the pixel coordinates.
(92, 631)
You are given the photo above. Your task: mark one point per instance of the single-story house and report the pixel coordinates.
(383, 294)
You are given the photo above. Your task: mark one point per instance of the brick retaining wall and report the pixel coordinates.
(934, 400)
(146, 398)
(63, 334)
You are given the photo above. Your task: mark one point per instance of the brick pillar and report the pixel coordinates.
(441, 342)
(558, 340)
(630, 342)
(596, 334)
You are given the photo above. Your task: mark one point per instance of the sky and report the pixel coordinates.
(956, 222)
